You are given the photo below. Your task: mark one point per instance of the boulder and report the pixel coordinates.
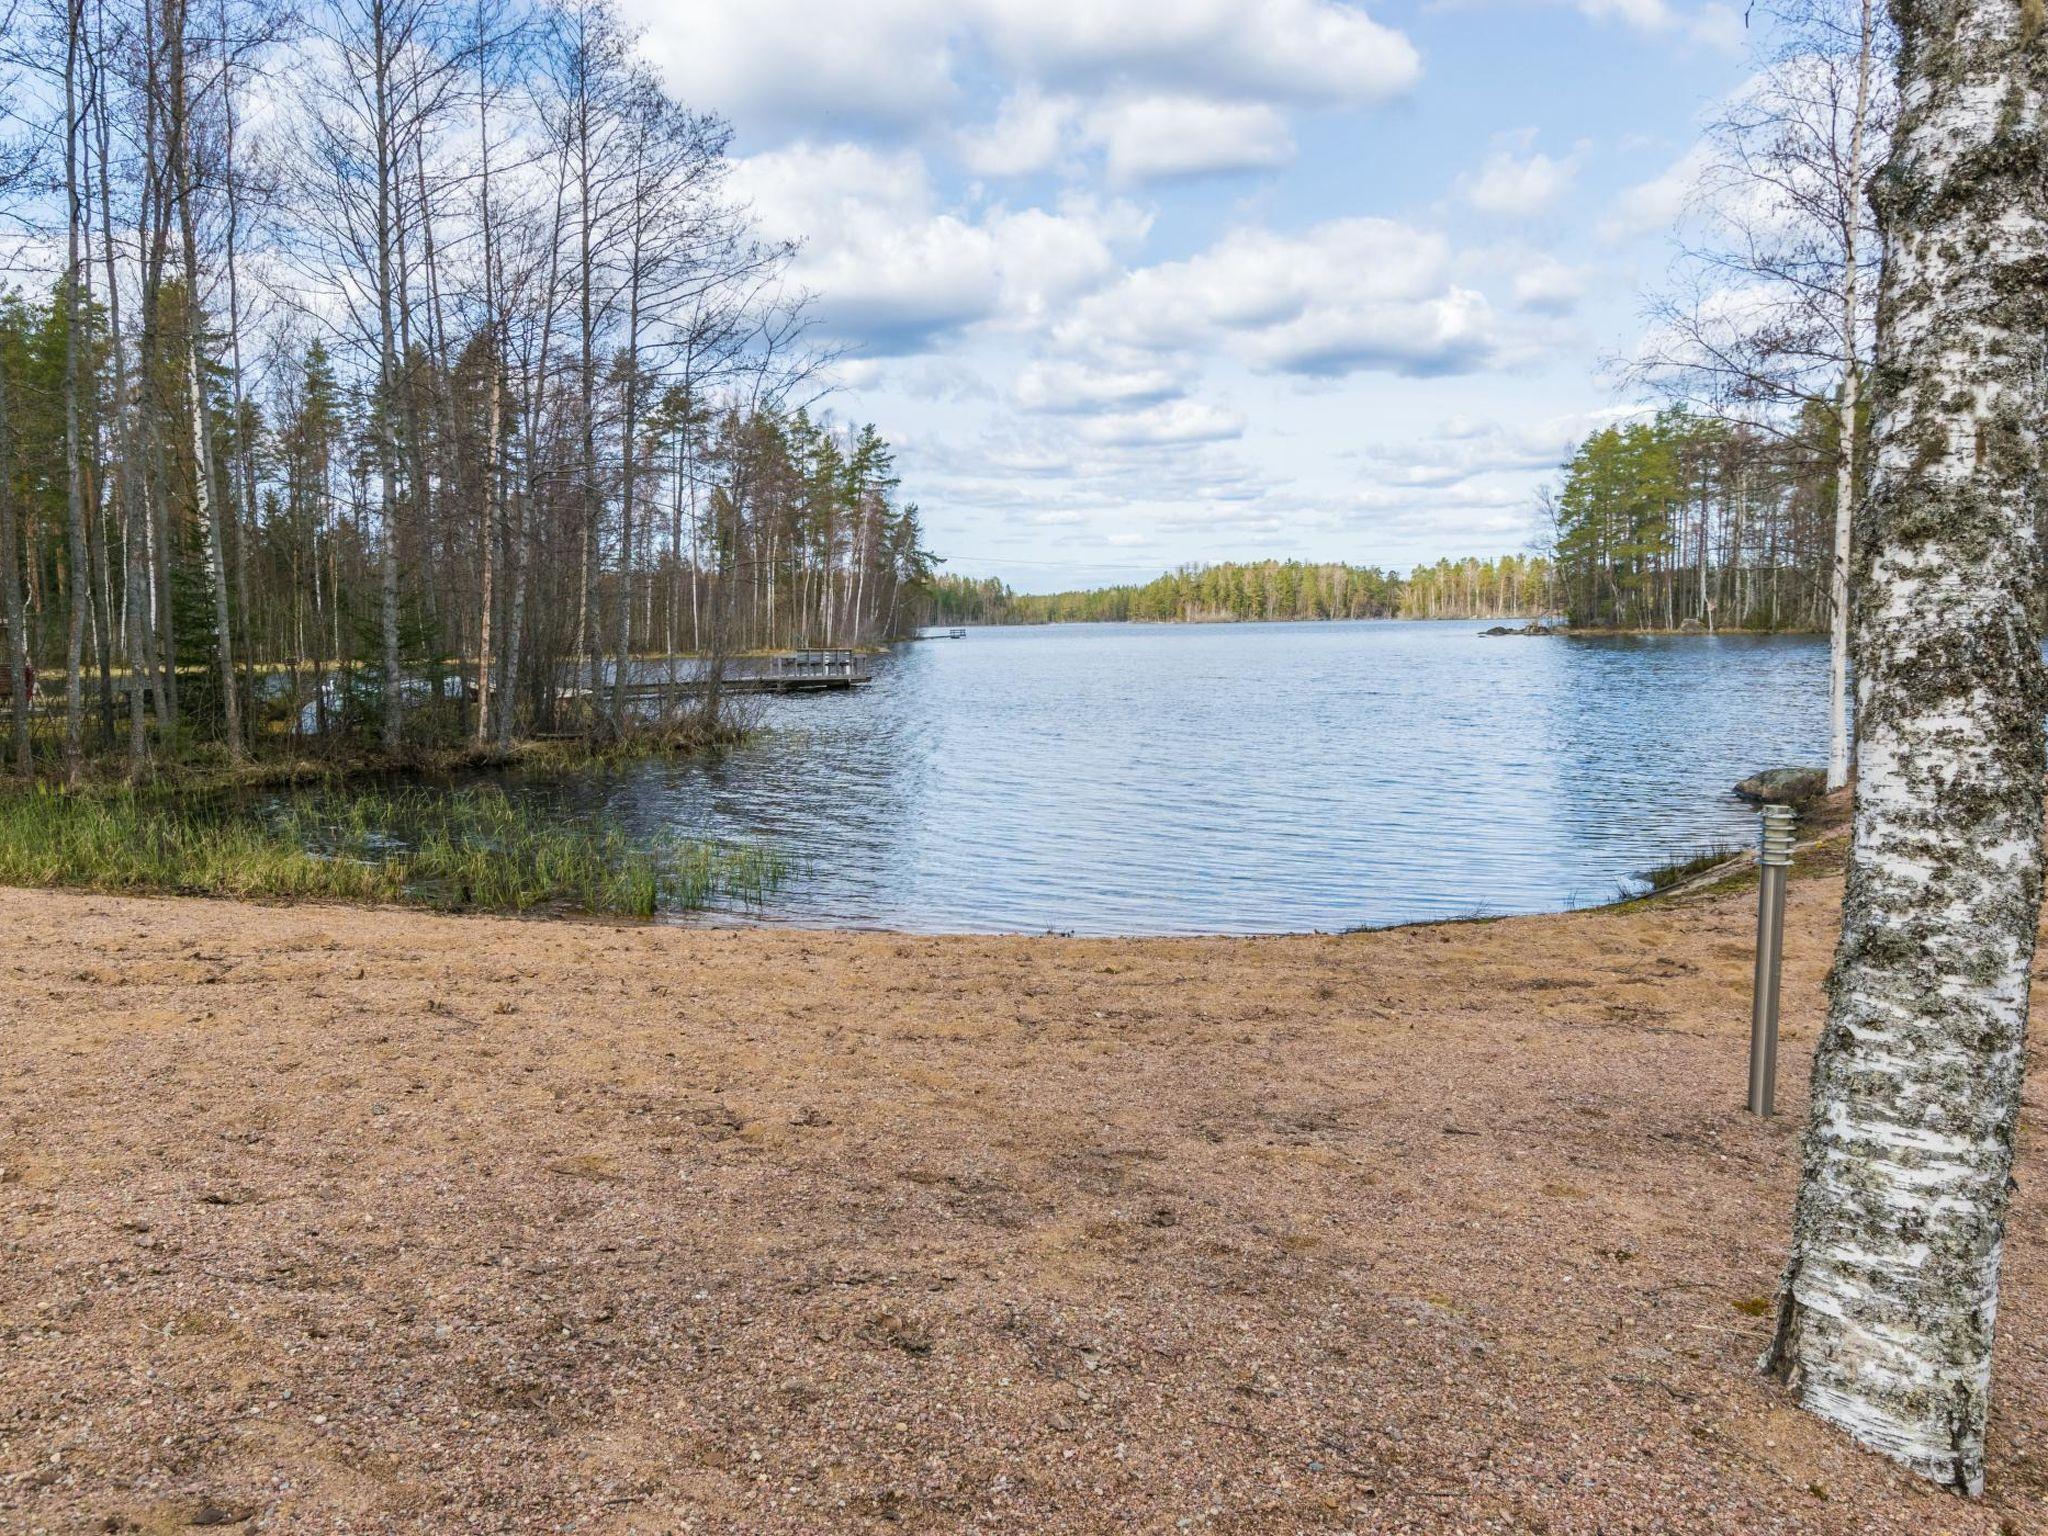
(1784, 786)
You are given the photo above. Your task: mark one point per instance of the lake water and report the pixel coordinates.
(1131, 779)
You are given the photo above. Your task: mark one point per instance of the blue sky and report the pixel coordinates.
(1208, 279)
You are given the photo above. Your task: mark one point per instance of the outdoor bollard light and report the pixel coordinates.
(1774, 858)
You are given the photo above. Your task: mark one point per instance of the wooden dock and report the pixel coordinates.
(817, 671)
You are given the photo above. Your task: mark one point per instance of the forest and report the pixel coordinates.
(398, 371)
(1686, 519)
(1233, 592)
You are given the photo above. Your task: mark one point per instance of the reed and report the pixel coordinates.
(463, 849)
(1682, 867)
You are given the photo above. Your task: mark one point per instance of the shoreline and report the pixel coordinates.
(397, 1222)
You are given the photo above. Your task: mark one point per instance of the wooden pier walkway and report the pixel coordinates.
(818, 671)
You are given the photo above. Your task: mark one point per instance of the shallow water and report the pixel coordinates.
(1242, 778)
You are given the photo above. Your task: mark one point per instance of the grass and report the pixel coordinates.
(1682, 867)
(460, 849)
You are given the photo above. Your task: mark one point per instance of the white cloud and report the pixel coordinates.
(1462, 449)
(1347, 296)
(1147, 137)
(1075, 388)
(1714, 24)
(781, 67)
(791, 68)
(891, 270)
(1643, 15)
(1519, 185)
(1171, 421)
(1150, 137)
(1548, 286)
(1718, 26)
(1028, 136)
(1295, 50)
(1653, 206)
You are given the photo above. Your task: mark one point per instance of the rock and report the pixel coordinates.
(215, 1514)
(1692, 627)
(1533, 627)
(1784, 786)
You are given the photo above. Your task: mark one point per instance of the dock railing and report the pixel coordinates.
(815, 664)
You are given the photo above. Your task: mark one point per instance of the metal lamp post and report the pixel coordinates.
(1774, 858)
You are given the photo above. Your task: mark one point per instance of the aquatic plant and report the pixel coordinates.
(463, 849)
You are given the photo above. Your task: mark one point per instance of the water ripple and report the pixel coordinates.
(1244, 779)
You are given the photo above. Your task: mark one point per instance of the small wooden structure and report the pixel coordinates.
(809, 671)
(805, 672)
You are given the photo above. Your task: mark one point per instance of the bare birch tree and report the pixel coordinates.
(1886, 1313)
(1768, 318)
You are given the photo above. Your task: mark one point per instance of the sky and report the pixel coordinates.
(1132, 283)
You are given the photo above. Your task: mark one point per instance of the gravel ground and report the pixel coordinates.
(331, 1220)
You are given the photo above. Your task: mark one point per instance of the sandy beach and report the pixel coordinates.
(331, 1220)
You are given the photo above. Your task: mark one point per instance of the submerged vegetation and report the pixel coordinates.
(467, 849)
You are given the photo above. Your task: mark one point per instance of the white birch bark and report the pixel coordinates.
(1887, 1308)
(1845, 470)
(1838, 582)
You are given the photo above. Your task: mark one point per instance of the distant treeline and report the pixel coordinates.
(1249, 592)
(1684, 518)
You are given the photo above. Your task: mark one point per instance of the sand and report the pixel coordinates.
(336, 1220)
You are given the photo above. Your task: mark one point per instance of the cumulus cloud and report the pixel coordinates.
(1714, 24)
(1348, 296)
(783, 67)
(1171, 421)
(1653, 206)
(1151, 137)
(792, 68)
(1070, 387)
(1140, 138)
(1548, 286)
(1518, 181)
(892, 271)
(1313, 51)
(1463, 448)
(1029, 134)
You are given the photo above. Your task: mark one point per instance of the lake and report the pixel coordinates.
(1253, 778)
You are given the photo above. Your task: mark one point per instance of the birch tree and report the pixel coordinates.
(1768, 317)
(1886, 1312)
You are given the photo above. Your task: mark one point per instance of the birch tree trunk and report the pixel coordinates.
(1845, 473)
(134, 568)
(17, 624)
(1838, 581)
(1886, 1311)
(74, 464)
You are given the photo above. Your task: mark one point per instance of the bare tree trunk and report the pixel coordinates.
(1886, 1310)
(208, 503)
(387, 466)
(516, 551)
(134, 567)
(1845, 474)
(10, 596)
(245, 437)
(488, 528)
(74, 463)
